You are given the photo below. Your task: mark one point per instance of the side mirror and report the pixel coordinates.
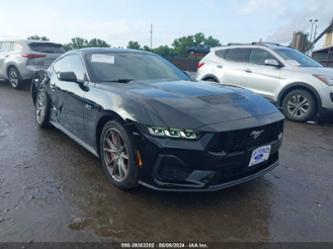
(67, 76)
(272, 62)
(188, 75)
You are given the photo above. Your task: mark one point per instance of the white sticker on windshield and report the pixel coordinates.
(293, 62)
(102, 58)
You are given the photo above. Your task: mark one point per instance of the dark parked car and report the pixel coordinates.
(151, 125)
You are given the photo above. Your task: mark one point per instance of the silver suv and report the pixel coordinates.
(296, 83)
(20, 59)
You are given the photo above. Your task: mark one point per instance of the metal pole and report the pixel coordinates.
(151, 36)
(311, 21)
(315, 32)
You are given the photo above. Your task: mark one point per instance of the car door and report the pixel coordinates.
(260, 78)
(5, 48)
(68, 96)
(232, 69)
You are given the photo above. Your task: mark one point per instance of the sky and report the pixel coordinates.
(119, 21)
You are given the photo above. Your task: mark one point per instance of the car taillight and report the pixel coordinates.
(200, 64)
(33, 56)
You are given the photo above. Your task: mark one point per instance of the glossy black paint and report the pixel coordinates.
(81, 108)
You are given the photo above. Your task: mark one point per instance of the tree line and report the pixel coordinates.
(179, 46)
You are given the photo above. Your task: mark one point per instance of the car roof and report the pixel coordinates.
(25, 41)
(252, 45)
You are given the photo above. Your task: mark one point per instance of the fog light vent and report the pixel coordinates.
(171, 169)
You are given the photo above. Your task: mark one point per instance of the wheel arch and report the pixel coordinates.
(36, 85)
(210, 76)
(301, 86)
(104, 118)
(9, 66)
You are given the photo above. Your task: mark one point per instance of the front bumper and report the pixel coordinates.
(186, 166)
(326, 114)
(177, 188)
(326, 97)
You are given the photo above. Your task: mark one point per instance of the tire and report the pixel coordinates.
(42, 109)
(118, 156)
(211, 80)
(299, 105)
(14, 78)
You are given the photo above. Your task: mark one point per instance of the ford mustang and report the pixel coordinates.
(150, 124)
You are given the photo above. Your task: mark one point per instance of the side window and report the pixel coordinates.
(221, 53)
(238, 55)
(17, 47)
(258, 56)
(6, 46)
(71, 63)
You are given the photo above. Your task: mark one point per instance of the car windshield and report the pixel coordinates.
(51, 48)
(127, 66)
(296, 58)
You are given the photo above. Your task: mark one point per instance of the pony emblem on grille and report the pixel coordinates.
(256, 134)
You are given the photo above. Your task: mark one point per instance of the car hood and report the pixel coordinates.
(187, 104)
(323, 70)
(316, 70)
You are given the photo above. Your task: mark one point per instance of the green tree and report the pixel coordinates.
(181, 44)
(38, 38)
(98, 43)
(133, 45)
(163, 50)
(146, 48)
(78, 42)
(199, 39)
(212, 42)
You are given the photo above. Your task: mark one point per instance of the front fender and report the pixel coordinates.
(39, 79)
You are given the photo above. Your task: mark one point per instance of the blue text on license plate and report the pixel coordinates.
(260, 155)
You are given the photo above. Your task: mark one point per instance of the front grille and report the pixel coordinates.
(238, 140)
(227, 175)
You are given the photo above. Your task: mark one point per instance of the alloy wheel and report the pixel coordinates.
(13, 78)
(115, 155)
(298, 106)
(40, 108)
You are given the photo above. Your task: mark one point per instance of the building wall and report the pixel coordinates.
(324, 56)
(328, 40)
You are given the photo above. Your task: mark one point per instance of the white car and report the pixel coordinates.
(296, 83)
(20, 59)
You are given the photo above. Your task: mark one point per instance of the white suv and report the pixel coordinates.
(296, 83)
(20, 59)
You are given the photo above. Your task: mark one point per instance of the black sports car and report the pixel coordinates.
(151, 125)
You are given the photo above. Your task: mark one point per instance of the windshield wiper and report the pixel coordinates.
(119, 80)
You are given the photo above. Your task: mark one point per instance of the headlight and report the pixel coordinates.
(324, 78)
(173, 132)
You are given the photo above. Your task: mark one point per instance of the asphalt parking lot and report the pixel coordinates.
(51, 189)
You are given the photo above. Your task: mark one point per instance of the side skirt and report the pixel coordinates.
(75, 138)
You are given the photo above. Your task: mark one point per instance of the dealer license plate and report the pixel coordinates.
(260, 155)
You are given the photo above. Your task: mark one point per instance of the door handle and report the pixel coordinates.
(248, 71)
(7, 55)
(219, 66)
